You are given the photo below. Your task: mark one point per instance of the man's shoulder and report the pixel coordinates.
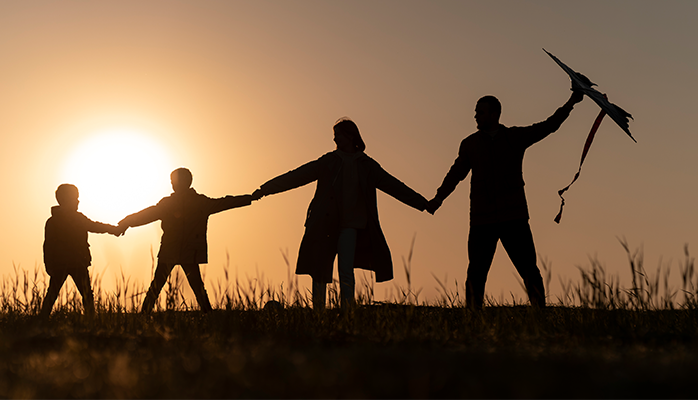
(473, 136)
(473, 139)
(514, 129)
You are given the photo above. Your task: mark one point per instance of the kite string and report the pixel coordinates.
(587, 145)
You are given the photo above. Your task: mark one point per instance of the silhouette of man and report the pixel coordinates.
(66, 250)
(498, 209)
(184, 221)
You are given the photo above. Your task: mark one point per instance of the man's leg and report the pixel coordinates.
(162, 271)
(81, 277)
(482, 244)
(346, 249)
(193, 273)
(517, 239)
(54, 287)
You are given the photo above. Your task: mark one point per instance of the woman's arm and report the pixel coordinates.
(298, 177)
(397, 189)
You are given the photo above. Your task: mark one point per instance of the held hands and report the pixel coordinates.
(118, 230)
(434, 205)
(257, 194)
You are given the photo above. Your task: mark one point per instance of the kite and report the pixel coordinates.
(617, 114)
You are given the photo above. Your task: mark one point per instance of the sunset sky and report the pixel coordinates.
(112, 96)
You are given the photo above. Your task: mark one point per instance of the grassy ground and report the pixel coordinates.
(396, 351)
(598, 339)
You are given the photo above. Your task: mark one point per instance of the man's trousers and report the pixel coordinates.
(517, 240)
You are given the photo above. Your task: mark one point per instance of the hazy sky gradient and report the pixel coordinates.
(240, 92)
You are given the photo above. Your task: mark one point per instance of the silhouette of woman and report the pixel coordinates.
(342, 219)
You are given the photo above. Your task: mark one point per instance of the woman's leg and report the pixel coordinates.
(319, 294)
(346, 249)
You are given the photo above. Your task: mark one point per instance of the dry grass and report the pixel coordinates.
(598, 339)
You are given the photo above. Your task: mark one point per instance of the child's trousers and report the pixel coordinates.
(193, 274)
(81, 277)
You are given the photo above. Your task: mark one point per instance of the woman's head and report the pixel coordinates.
(347, 136)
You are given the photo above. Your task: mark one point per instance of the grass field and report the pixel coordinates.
(595, 340)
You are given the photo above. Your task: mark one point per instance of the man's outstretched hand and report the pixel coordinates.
(434, 205)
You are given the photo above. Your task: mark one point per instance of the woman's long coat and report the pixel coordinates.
(322, 225)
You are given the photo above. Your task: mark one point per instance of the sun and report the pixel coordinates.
(118, 172)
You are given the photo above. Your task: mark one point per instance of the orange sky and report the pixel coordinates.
(240, 92)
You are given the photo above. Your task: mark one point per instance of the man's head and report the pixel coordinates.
(487, 112)
(181, 179)
(67, 196)
(347, 136)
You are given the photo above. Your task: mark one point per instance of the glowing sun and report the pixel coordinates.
(118, 172)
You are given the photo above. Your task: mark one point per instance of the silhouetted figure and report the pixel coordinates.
(342, 218)
(498, 209)
(66, 250)
(184, 221)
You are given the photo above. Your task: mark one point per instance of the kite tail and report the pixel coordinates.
(587, 145)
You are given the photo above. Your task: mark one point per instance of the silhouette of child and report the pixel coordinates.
(66, 251)
(184, 215)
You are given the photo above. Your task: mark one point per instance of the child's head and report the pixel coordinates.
(181, 179)
(67, 196)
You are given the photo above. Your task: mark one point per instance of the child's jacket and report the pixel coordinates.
(65, 240)
(184, 221)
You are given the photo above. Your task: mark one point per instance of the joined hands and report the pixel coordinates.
(434, 205)
(118, 230)
(257, 194)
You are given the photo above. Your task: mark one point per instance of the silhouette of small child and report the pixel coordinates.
(184, 221)
(66, 250)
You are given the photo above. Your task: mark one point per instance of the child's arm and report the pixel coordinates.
(228, 202)
(115, 230)
(99, 227)
(143, 217)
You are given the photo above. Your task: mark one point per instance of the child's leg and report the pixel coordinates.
(162, 271)
(54, 287)
(193, 274)
(346, 248)
(319, 294)
(81, 277)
